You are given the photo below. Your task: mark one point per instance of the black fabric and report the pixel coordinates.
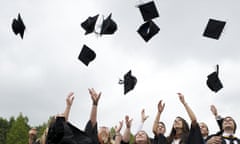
(129, 81)
(79, 136)
(148, 11)
(18, 26)
(159, 139)
(148, 30)
(214, 28)
(89, 24)
(56, 131)
(213, 81)
(195, 136)
(62, 132)
(86, 55)
(108, 26)
(92, 132)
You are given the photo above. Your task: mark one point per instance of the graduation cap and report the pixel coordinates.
(129, 82)
(213, 81)
(86, 55)
(214, 28)
(89, 24)
(148, 10)
(148, 30)
(108, 26)
(18, 26)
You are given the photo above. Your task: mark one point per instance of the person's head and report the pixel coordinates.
(104, 134)
(141, 137)
(204, 129)
(228, 124)
(179, 130)
(32, 134)
(161, 129)
(180, 123)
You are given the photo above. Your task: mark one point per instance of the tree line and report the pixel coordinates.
(15, 129)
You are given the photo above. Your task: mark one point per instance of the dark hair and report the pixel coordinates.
(162, 124)
(148, 139)
(184, 134)
(235, 124)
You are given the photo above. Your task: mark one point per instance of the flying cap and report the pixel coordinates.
(129, 82)
(18, 26)
(214, 28)
(213, 81)
(89, 24)
(108, 26)
(148, 10)
(86, 55)
(148, 30)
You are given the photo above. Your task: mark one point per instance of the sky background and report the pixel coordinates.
(38, 72)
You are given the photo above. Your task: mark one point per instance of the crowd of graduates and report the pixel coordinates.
(61, 131)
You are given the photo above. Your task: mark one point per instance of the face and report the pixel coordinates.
(161, 128)
(203, 129)
(178, 123)
(141, 137)
(32, 133)
(228, 124)
(103, 134)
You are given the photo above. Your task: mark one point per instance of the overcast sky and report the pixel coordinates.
(39, 71)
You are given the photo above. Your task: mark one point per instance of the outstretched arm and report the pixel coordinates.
(95, 98)
(69, 102)
(118, 136)
(157, 119)
(188, 109)
(144, 117)
(218, 118)
(127, 132)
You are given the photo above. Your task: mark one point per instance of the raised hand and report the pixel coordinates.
(143, 116)
(128, 121)
(214, 110)
(161, 106)
(119, 127)
(181, 98)
(95, 96)
(69, 99)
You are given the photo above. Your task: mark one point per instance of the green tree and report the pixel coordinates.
(18, 132)
(4, 127)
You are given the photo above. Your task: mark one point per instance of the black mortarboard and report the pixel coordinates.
(129, 82)
(214, 28)
(86, 55)
(18, 26)
(89, 24)
(148, 10)
(108, 26)
(148, 30)
(213, 82)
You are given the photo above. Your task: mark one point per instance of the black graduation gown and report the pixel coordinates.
(62, 132)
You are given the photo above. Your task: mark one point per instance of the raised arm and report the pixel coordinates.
(144, 117)
(188, 109)
(127, 131)
(95, 98)
(69, 102)
(218, 118)
(160, 108)
(118, 136)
